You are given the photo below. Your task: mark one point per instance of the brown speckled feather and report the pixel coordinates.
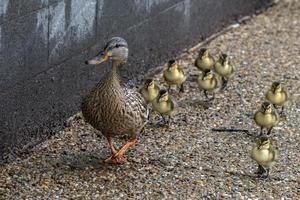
(114, 110)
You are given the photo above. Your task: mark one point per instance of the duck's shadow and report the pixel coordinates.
(199, 102)
(82, 161)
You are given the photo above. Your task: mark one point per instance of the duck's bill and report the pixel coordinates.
(102, 57)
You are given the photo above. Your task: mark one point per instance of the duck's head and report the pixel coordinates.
(267, 108)
(163, 96)
(224, 59)
(208, 75)
(276, 87)
(172, 65)
(203, 53)
(149, 84)
(116, 49)
(263, 143)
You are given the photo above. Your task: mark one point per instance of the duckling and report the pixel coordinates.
(267, 117)
(149, 91)
(277, 95)
(111, 108)
(225, 69)
(164, 105)
(264, 155)
(174, 75)
(204, 61)
(209, 81)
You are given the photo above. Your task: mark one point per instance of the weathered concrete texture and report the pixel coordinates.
(12, 9)
(72, 27)
(43, 46)
(23, 48)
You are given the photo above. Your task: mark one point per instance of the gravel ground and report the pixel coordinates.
(186, 160)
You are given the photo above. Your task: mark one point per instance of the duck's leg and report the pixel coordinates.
(213, 97)
(181, 89)
(119, 156)
(224, 83)
(261, 131)
(269, 131)
(265, 173)
(260, 170)
(112, 148)
(205, 93)
(164, 121)
(282, 109)
(169, 88)
(169, 120)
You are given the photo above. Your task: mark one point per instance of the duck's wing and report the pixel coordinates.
(181, 71)
(287, 94)
(254, 147)
(273, 155)
(219, 81)
(137, 106)
(174, 105)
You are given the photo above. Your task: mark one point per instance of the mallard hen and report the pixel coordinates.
(111, 108)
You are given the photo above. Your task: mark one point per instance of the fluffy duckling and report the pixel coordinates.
(149, 91)
(264, 155)
(225, 69)
(208, 81)
(277, 95)
(174, 75)
(164, 105)
(267, 117)
(204, 61)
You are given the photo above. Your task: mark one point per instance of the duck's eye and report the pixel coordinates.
(120, 45)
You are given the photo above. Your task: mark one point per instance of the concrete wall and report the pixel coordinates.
(44, 43)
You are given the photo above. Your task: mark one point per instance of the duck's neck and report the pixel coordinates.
(114, 72)
(111, 80)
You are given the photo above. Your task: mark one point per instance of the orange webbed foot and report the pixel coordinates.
(116, 159)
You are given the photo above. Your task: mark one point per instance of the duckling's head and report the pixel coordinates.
(267, 108)
(224, 59)
(163, 96)
(276, 87)
(263, 143)
(149, 84)
(203, 53)
(115, 49)
(208, 75)
(172, 65)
